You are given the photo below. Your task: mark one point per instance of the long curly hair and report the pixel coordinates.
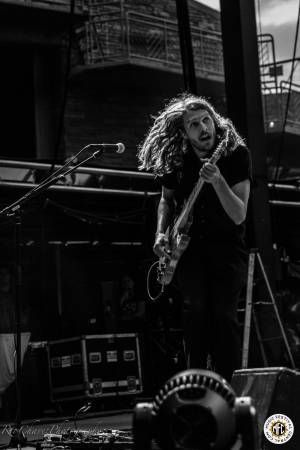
(165, 144)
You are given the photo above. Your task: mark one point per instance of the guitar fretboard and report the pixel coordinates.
(183, 216)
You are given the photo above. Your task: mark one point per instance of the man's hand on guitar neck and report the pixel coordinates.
(210, 172)
(161, 246)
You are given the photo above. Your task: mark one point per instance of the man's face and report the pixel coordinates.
(200, 130)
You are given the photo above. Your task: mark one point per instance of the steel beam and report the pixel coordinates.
(244, 105)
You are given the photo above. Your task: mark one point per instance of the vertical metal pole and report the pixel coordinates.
(122, 18)
(248, 311)
(128, 34)
(58, 280)
(260, 340)
(18, 294)
(18, 437)
(187, 58)
(244, 107)
(166, 40)
(273, 303)
(85, 370)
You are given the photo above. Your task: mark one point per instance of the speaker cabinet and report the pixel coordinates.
(274, 390)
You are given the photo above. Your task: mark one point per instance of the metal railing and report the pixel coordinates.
(275, 90)
(267, 62)
(63, 5)
(271, 98)
(275, 108)
(293, 114)
(22, 175)
(134, 36)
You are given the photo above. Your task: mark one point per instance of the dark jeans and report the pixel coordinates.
(210, 279)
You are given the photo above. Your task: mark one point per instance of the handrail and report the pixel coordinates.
(80, 189)
(87, 170)
(112, 172)
(284, 203)
(289, 84)
(60, 5)
(156, 19)
(284, 187)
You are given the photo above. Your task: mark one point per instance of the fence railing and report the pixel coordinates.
(267, 64)
(131, 35)
(293, 113)
(275, 108)
(275, 90)
(80, 5)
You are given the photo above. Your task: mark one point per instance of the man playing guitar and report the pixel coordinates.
(190, 145)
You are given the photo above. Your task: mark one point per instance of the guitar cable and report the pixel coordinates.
(153, 297)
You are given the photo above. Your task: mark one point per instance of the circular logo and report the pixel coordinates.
(278, 429)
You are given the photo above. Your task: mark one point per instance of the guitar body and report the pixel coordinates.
(178, 238)
(167, 267)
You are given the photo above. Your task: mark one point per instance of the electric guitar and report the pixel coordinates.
(178, 235)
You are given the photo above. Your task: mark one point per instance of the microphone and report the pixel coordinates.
(118, 148)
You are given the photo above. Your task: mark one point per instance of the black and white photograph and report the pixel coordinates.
(149, 224)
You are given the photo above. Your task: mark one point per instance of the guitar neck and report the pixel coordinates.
(183, 216)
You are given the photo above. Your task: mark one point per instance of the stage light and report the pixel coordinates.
(196, 410)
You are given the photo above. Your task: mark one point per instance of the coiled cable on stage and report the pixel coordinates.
(196, 410)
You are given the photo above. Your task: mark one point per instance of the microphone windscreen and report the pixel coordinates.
(121, 147)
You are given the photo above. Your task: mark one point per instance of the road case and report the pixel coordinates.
(94, 366)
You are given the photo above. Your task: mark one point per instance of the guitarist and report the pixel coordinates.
(212, 271)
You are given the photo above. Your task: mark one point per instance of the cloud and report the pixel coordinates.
(278, 12)
(284, 40)
(215, 4)
(279, 18)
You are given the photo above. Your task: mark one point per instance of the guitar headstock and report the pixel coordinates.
(219, 150)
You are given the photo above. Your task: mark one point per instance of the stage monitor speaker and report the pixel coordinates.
(274, 390)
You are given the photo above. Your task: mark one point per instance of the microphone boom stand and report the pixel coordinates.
(18, 438)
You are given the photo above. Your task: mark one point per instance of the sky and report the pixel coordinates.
(279, 18)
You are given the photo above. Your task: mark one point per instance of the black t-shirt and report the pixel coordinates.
(211, 223)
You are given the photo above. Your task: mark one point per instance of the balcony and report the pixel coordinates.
(46, 5)
(124, 37)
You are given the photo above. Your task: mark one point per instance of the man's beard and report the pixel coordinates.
(206, 145)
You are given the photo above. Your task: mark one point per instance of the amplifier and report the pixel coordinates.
(275, 392)
(92, 366)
